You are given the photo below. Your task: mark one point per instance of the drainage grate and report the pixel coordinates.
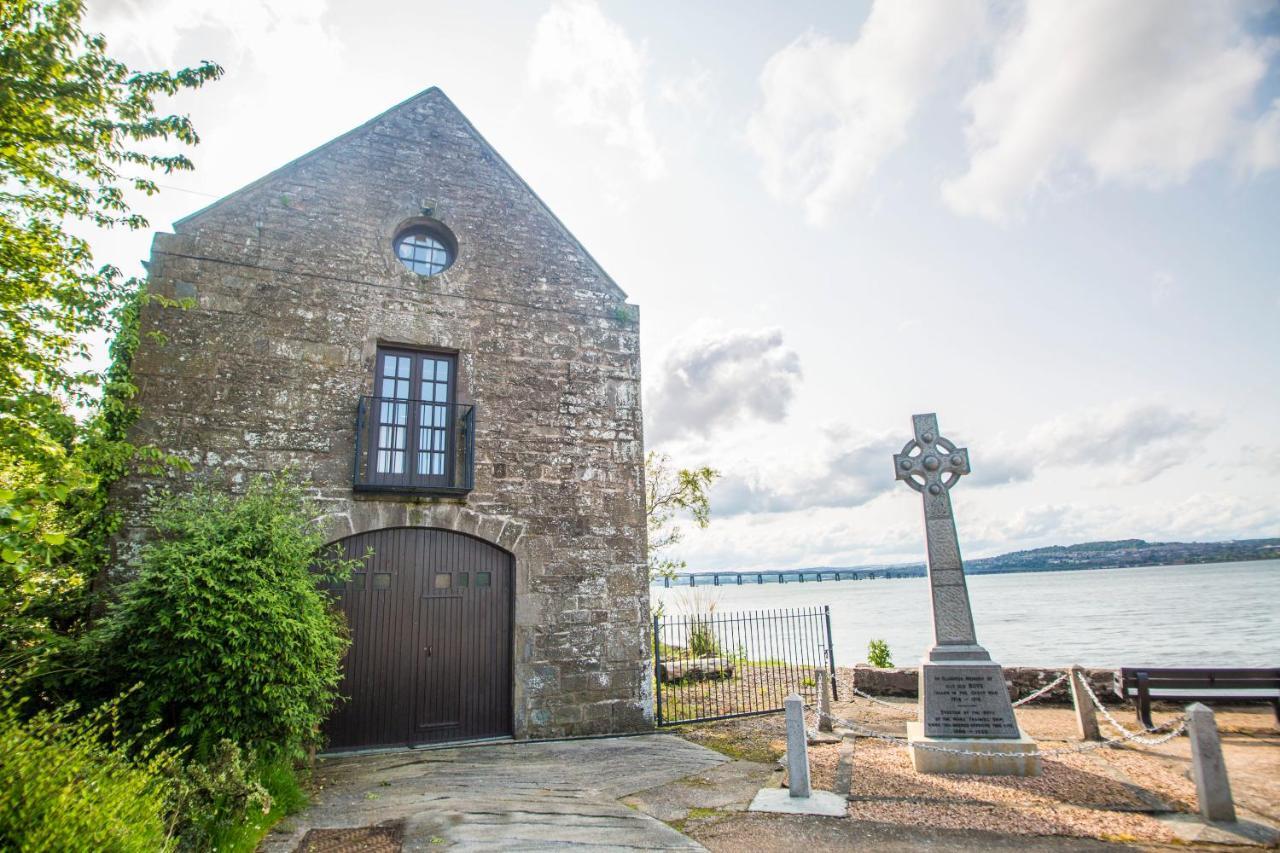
(361, 839)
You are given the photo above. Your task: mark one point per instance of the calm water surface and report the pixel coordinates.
(1216, 614)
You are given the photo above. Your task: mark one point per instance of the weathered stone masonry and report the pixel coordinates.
(295, 283)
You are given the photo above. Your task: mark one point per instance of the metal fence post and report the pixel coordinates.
(831, 654)
(657, 669)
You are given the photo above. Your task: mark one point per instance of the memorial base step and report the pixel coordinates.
(998, 756)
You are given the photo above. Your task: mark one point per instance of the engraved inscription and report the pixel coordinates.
(967, 701)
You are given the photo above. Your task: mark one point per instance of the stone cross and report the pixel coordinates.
(931, 465)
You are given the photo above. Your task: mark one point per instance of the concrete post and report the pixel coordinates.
(1086, 714)
(823, 679)
(1213, 789)
(797, 747)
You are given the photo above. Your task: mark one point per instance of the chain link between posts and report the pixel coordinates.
(1031, 697)
(1179, 725)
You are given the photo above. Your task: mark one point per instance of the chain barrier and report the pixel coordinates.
(1041, 753)
(1136, 737)
(1178, 725)
(1031, 697)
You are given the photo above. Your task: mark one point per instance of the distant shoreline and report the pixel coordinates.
(1089, 556)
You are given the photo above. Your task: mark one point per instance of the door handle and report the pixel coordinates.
(428, 651)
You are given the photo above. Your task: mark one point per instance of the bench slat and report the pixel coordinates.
(1195, 693)
(1157, 672)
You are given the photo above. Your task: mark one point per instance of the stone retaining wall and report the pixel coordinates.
(1021, 680)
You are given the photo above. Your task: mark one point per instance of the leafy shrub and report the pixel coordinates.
(68, 782)
(212, 799)
(224, 626)
(878, 654)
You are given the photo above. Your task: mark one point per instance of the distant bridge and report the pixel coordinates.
(793, 576)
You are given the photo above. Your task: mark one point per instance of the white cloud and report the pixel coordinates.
(720, 381)
(1137, 442)
(833, 111)
(596, 74)
(1129, 444)
(278, 38)
(691, 92)
(856, 472)
(1261, 149)
(1136, 93)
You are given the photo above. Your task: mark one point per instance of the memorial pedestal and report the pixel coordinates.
(1001, 756)
(964, 705)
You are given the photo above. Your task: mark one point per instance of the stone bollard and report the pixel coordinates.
(1213, 789)
(1086, 714)
(797, 747)
(823, 679)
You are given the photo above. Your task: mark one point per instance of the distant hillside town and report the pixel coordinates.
(1055, 558)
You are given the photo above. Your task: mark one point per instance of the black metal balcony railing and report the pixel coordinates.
(414, 446)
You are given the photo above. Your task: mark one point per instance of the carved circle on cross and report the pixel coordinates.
(931, 463)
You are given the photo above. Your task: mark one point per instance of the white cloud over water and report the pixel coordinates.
(723, 380)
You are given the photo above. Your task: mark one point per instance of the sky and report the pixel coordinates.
(1055, 224)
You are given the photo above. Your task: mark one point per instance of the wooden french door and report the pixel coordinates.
(413, 411)
(430, 655)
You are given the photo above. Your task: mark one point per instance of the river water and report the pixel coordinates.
(1214, 614)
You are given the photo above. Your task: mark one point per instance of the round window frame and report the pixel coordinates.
(433, 228)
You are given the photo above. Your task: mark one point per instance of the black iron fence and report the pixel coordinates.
(717, 665)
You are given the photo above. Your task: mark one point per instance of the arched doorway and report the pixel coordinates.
(430, 656)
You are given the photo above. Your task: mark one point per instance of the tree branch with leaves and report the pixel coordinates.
(670, 492)
(79, 132)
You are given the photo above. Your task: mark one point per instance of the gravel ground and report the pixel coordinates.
(1110, 794)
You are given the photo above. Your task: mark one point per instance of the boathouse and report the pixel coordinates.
(398, 317)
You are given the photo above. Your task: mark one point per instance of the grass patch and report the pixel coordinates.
(698, 815)
(735, 743)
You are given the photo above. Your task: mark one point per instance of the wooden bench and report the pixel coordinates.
(1142, 684)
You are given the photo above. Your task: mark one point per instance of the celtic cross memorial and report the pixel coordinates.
(962, 691)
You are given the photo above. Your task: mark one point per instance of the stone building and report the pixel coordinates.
(399, 318)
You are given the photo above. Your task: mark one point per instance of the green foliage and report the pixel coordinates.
(72, 123)
(702, 640)
(224, 626)
(878, 654)
(670, 491)
(215, 801)
(68, 782)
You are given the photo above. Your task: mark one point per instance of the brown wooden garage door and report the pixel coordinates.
(430, 656)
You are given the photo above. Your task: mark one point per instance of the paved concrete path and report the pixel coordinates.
(510, 796)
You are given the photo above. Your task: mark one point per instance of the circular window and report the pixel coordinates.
(424, 251)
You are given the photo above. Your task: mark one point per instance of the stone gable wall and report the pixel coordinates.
(294, 284)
